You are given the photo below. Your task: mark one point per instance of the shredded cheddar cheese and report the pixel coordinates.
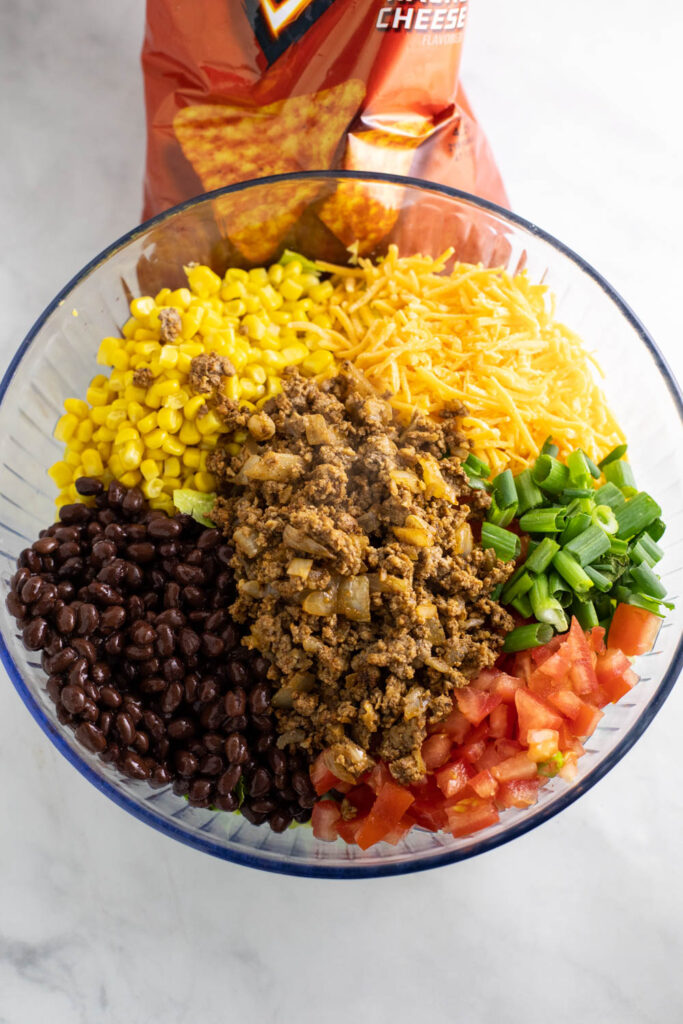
(474, 336)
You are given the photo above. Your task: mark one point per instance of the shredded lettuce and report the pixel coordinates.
(308, 266)
(195, 504)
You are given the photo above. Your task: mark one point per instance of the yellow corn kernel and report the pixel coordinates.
(184, 363)
(134, 394)
(232, 388)
(161, 298)
(191, 458)
(202, 461)
(255, 373)
(165, 503)
(232, 448)
(170, 420)
(99, 414)
(172, 466)
(85, 430)
(131, 479)
(116, 467)
(253, 303)
(130, 327)
(62, 499)
(165, 387)
(135, 412)
(322, 320)
(125, 434)
(294, 353)
(205, 482)
(105, 353)
(72, 458)
(171, 483)
(275, 273)
(203, 281)
(188, 480)
(168, 357)
(291, 290)
(142, 307)
(148, 423)
(210, 423)
(71, 489)
(66, 427)
(317, 362)
(172, 446)
(233, 290)
(180, 298)
(131, 454)
(321, 291)
(209, 442)
(76, 446)
(189, 433)
(193, 406)
(273, 386)
(240, 436)
(248, 389)
(190, 321)
(104, 450)
(97, 396)
(155, 438)
(152, 488)
(272, 360)
(62, 474)
(92, 463)
(254, 326)
(149, 469)
(104, 434)
(236, 274)
(99, 381)
(115, 418)
(77, 406)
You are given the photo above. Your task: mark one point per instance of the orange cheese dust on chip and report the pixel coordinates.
(366, 212)
(230, 143)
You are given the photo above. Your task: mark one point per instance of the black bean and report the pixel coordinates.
(133, 502)
(89, 735)
(237, 674)
(30, 591)
(188, 641)
(199, 793)
(116, 493)
(186, 763)
(35, 634)
(171, 617)
(70, 514)
(125, 727)
(16, 607)
(85, 649)
(164, 528)
(104, 594)
(89, 486)
(110, 696)
(236, 748)
(228, 802)
(113, 617)
(180, 729)
(279, 820)
(65, 620)
(259, 700)
(141, 551)
(103, 551)
(87, 620)
(100, 673)
(135, 766)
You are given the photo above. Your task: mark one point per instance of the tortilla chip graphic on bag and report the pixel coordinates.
(366, 212)
(230, 143)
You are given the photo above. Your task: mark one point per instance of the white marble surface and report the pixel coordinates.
(102, 919)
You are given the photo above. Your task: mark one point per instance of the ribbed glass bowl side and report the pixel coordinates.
(58, 360)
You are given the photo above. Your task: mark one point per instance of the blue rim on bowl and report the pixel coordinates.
(375, 869)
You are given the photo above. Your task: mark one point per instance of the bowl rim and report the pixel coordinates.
(265, 860)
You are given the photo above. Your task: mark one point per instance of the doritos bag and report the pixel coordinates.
(239, 89)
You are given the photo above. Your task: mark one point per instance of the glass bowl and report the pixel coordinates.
(57, 359)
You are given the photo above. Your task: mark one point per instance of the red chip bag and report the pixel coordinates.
(240, 89)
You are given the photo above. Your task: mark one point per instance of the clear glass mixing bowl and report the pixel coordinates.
(57, 359)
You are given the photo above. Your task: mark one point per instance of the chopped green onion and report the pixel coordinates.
(535, 634)
(571, 571)
(579, 474)
(556, 585)
(569, 493)
(476, 466)
(476, 483)
(589, 545)
(546, 608)
(621, 475)
(516, 587)
(648, 603)
(646, 550)
(496, 592)
(585, 613)
(506, 544)
(542, 555)
(576, 525)
(504, 489)
(609, 494)
(308, 266)
(551, 767)
(543, 520)
(636, 515)
(647, 582)
(613, 456)
(604, 517)
(618, 547)
(592, 468)
(501, 516)
(550, 475)
(656, 529)
(549, 448)
(601, 582)
(528, 494)
(521, 604)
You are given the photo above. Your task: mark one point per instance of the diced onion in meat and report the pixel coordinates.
(464, 542)
(405, 478)
(300, 541)
(353, 598)
(252, 588)
(321, 602)
(246, 540)
(277, 466)
(318, 430)
(300, 567)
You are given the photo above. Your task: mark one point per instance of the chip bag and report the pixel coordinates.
(241, 89)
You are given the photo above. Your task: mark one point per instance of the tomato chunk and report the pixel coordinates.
(566, 701)
(322, 778)
(519, 766)
(325, 818)
(534, 713)
(615, 674)
(633, 630)
(586, 721)
(391, 804)
(543, 743)
(517, 793)
(436, 750)
(582, 671)
(475, 704)
(484, 784)
(456, 726)
(503, 720)
(471, 816)
(452, 778)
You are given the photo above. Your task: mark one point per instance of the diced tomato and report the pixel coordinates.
(582, 672)
(566, 701)
(523, 665)
(456, 726)
(399, 831)
(429, 816)
(348, 830)
(586, 721)
(505, 685)
(362, 797)
(568, 742)
(322, 778)
(377, 777)
(569, 768)
(519, 766)
(325, 818)
(541, 654)
(452, 778)
(596, 639)
(506, 748)
(436, 750)
(503, 720)
(391, 804)
(542, 684)
(485, 680)
(633, 630)
(484, 784)
(534, 713)
(475, 704)
(615, 674)
(517, 793)
(471, 816)
(489, 757)
(543, 743)
(475, 744)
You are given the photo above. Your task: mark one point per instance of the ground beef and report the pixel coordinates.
(207, 372)
(171, 324)
(357, 571)
(143, 377)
